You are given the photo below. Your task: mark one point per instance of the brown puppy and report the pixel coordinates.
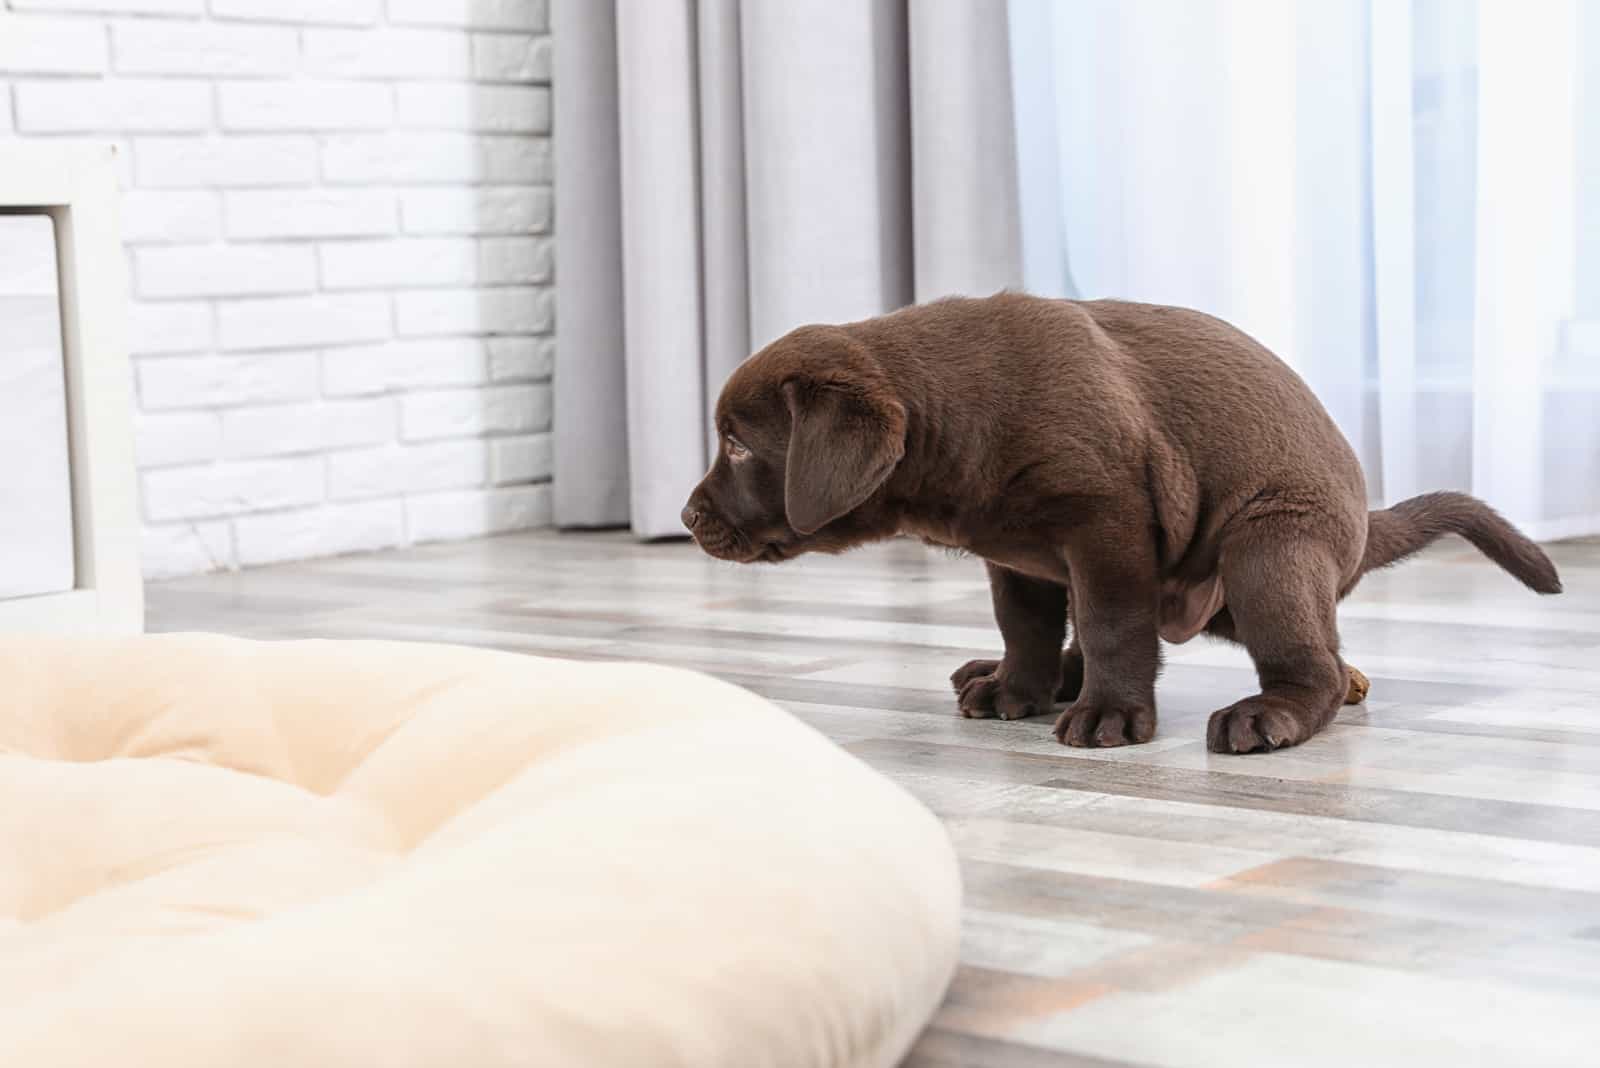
(1146, 472)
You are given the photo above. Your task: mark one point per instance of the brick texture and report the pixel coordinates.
(399, 264)
(204, 162)
(337, 216)
(169, 217)
(496, 108)
(51, 45)
(101, 106)
(304, 105)
(335, 12)
(269, 539)
(276, 213)
(389, 53)
(152, 47)
(532, 15)
(230, 489)
(471, 412)
(436, 158)
(223, 270)
(472, 513)
(492, 210)
(117, 7)
(509, 57)
(288, 322)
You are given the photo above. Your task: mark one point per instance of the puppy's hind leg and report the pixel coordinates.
(1356, 690)
(1283, 584)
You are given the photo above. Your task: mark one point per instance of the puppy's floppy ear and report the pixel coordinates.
(843, 443)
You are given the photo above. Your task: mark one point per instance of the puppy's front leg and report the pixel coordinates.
(1032, 614)
(1115, 597)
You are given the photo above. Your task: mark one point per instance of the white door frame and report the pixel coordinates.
(76, 186)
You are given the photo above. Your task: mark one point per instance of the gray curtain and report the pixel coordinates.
(729, 169)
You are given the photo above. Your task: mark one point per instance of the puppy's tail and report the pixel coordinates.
(1395, 533)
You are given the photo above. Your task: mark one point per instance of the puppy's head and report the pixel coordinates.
(807, 431)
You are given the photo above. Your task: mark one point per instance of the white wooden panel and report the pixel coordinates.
(76, 185)
(35, 486)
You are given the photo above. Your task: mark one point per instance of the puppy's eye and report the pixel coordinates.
(736, 449)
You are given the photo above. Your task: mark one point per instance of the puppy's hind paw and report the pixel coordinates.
(1259, 724)
(1359, 687)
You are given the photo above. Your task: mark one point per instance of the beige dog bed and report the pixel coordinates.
(216, 852)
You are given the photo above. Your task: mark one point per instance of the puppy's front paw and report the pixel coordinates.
(992, 695)
(972, 669)
(1103, 724)
(1071, 674)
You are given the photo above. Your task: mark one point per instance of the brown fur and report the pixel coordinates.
(1145, 472)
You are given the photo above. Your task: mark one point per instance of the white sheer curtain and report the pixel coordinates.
(1399, 197)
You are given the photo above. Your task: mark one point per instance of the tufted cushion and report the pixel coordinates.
(218, 852)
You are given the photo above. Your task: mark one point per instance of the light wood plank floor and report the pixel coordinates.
(1419, 885)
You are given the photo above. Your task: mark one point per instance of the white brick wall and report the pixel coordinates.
(184, 162)
(447, 516)
(402, 264)
(177, 216)
(391, 53)
(335, 12)
(508, 57)
(337, 216)
(121, 7)
(461, 412)
(221, 381)
(143, 105)
(223, 270)
(159, 47)
(270, 538)
(51, 46)
(290, 322)
(305, 105)
(493, 210)
(435, 158)
(478, 14)
(277, 213)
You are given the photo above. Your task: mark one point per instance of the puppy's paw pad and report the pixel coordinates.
(1093, 725)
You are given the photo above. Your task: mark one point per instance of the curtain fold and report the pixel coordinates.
(724, 252)
(657, 60)
(826, 161)
(590, 392)
(964, 199)
(736, 168)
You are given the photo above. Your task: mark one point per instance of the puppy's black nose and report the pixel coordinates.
(690, 516)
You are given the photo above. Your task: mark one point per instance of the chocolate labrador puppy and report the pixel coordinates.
(1145, 472)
